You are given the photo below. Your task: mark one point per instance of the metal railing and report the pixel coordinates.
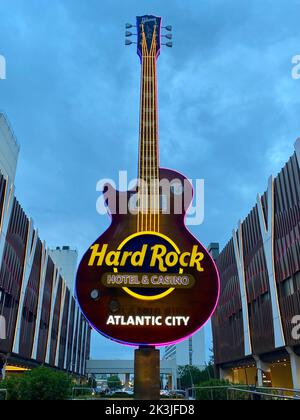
(256, 395)
(283, 392)
(241, 392)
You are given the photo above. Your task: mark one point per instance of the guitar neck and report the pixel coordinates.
(148, 149)
(149, 202)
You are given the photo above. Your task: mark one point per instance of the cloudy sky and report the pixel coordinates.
(229, 108)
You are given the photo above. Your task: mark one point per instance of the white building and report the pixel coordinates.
(47, 328)
(9, 150)
(66, 258)
(189, 352)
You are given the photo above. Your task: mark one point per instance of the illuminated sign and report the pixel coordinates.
(147, 281)
(147, 289)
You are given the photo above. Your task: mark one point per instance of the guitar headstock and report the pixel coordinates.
(148, 31)
(149, 35)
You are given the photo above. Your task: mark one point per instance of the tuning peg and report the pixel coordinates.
(129, 26)
(128, 33)
(168, 36)
(169, 44)
(168, 28)
(128, 42)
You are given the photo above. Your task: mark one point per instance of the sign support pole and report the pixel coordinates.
(147, 373)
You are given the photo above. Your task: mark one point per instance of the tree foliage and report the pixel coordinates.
(191, 376)
(114, 382)
(40, 384)
(92, 383)
(214, 389)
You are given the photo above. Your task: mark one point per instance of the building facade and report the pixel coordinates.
(189, 352)
(67, 259)
(42, 321)
(254, 325)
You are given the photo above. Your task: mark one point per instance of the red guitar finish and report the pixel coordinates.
(157, 211)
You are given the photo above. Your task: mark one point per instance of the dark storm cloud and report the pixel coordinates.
(229, 109)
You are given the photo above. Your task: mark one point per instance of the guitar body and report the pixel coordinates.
(113, 301)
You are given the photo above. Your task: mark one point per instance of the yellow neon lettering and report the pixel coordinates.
(138, 258)
(158, 252)
(96, 254)
(196, 258)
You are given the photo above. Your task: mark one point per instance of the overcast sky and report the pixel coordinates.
(229, 108)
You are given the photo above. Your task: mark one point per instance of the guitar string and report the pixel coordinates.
(156, 147)
(145, 135)
(157, 152)
(145, 148)
(155, 142)
(146, 138)
(155, 139)
(148, 200)
(142, 163)
(151, 110)
(152, 136)
(148, 152)
(140, 153)
(150, 131)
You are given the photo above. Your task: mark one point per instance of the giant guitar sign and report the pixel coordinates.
(147, 281)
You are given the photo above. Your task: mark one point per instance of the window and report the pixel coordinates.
(265, 297)
(288, 287)
(255, 307)
(297, 280)
(250, 310)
